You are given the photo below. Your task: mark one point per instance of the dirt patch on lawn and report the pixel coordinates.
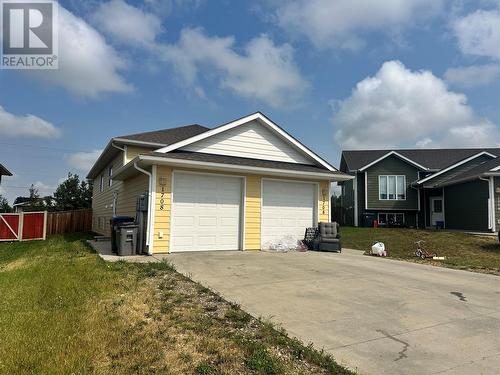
(14, 265)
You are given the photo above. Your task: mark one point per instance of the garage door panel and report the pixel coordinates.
(214, 205)
(287, 209)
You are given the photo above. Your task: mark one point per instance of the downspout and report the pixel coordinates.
(149, 231)
(491, 207)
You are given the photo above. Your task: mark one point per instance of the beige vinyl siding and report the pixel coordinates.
(253, 212)
(133, 151)
(127, 192)
(252, 140)
(392, 165)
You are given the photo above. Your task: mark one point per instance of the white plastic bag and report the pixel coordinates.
(378, 248)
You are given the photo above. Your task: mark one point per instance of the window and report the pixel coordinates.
(101, 184)
(110, 175)
(392, 187)
(391, 219)
(437, 205)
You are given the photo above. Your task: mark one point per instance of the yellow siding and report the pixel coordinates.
(252, 212)
(252, 208)
(126, 191)
(324, 200)
(162, 208)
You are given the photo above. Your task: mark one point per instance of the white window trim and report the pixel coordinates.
(387, 186)
(110, 175)
(101, 184)
(391, 213)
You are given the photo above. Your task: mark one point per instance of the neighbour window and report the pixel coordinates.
(392, 187)
(110, 174)
(101, 184)
(391, 219)
(438, 205)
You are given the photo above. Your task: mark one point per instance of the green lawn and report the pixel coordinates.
(65, 311)
(462, 251)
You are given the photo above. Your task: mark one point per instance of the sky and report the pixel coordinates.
(337, 74)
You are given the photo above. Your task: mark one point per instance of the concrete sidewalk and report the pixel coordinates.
(378, 316)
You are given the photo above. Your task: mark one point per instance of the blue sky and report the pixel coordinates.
(337, 74)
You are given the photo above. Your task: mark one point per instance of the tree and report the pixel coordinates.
(4, 205)
(73, 194)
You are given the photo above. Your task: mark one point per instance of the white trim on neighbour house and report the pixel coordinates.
(454, 166)
(395, 154)
(263, 120)
(355, 183)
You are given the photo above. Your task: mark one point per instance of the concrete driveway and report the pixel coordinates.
(376, 316)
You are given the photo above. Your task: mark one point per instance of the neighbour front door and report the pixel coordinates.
(437, 213)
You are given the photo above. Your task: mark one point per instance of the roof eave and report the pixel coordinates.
(146, 160)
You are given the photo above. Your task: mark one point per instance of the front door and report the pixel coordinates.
(437, 213)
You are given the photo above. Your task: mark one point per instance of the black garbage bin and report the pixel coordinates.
(115, 222)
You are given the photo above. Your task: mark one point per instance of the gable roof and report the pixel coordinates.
(432, 159)
(450, 167)
(165, 136)
(4, 171)
(393, 153)
(491, 167)
(265, 121)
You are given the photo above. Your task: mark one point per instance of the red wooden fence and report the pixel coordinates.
(23, 226)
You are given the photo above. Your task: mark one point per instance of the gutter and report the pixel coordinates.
(491, 203)
(339, 176)
(149, 226)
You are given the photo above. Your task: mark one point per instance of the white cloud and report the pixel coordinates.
(341, 23)
(26, 126)
(127, 24)
(83, 161)
(88, 66)
(401, 108)
(478, 33)
(472, 76)
(264, 71)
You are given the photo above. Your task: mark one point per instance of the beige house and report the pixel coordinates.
(245, 185)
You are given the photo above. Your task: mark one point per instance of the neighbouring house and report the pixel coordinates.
(4, 172)
(245, 185)
(449, 188)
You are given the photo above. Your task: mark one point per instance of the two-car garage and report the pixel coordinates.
(208, 211)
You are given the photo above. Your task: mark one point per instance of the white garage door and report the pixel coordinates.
(288, 208)
(206, 211)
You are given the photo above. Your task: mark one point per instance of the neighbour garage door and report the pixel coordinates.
(206, 212)
(288, 208)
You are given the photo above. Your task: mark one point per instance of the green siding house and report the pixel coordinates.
(422, 188)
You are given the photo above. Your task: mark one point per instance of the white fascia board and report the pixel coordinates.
(395, 154)
(454, 166)
(242, 121)
(140, 143)
(496, 169)
(240, 168)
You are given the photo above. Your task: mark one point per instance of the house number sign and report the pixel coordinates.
(163, 183)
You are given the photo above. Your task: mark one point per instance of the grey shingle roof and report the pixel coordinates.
(4, 171)
(202, 157)
(434, 159)
(167, 136)
(475, 172)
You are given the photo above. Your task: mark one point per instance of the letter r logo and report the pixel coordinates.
(27, 28)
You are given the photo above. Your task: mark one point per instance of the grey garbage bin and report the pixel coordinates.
(115, 222)
(127, 240)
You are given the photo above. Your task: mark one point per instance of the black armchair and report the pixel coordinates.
(328, 238)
